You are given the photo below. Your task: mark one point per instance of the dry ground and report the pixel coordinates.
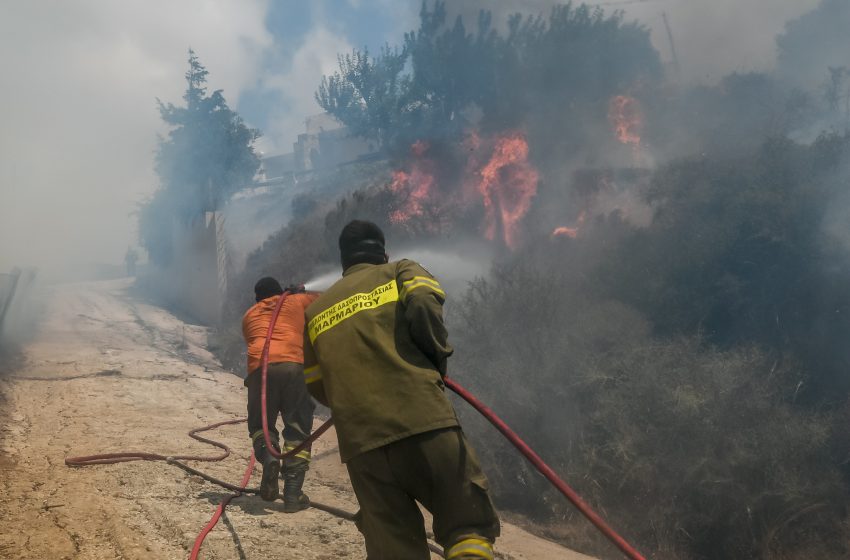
(107, 373)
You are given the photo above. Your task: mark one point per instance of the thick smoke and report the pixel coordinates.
(81, 122)
(21, 303)
(456, 267)
(815, 42)
(712, 38)
(79, 116)
(290, 90)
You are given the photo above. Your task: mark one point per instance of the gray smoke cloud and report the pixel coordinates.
(712, 37)
(80, 79)
(294, 86)
(79, 115)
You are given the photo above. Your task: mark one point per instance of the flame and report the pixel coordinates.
(571, 232)
(414, 188)
(496, 173)
(565, 231)
(626, 117)
(419, 148)
(507, 184)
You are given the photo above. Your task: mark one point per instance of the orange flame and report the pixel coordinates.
(508, 183)
(419, 148)
(565, 231)
(414, 187)
(626, 117)
(571, 232)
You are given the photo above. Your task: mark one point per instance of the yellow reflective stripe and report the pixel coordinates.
(472, 550)
(312, 374)
(421, 279)
(420, 282)
(303, 454)
(407, 289)
(350, 306)
(256, 435)
(471, 547)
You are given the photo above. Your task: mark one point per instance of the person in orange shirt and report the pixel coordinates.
(286, 392)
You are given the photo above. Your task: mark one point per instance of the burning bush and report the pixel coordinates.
(496, 178)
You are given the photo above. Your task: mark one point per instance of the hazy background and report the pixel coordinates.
(713, 37)
(80, 78)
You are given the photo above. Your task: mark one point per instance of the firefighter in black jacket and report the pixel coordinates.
(375, 352)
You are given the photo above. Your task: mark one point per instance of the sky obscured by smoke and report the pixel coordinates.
(80, 80)
(80, 119)
(715, 37)
(712, 37)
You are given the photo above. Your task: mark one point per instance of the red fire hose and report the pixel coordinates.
(546, 471)
(109, 458)
(196, 548)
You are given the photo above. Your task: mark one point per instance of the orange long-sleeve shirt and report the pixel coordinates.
(287, 343)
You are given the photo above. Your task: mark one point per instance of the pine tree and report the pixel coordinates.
(207, 155)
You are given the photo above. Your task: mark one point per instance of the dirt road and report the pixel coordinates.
(108, 373)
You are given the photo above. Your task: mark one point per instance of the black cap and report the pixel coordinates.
(361, 242)
(267, 287)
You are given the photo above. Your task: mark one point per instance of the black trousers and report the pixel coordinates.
(286, 396)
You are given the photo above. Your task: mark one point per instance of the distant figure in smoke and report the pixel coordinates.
(130, 260)
(286, 394)
(375, 352)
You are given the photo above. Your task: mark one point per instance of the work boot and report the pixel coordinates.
(269, 490)
(293, 498)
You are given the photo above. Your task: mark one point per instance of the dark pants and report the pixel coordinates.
(287, 396)
(439, 470)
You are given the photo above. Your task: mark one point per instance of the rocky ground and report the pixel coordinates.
(108, 373)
